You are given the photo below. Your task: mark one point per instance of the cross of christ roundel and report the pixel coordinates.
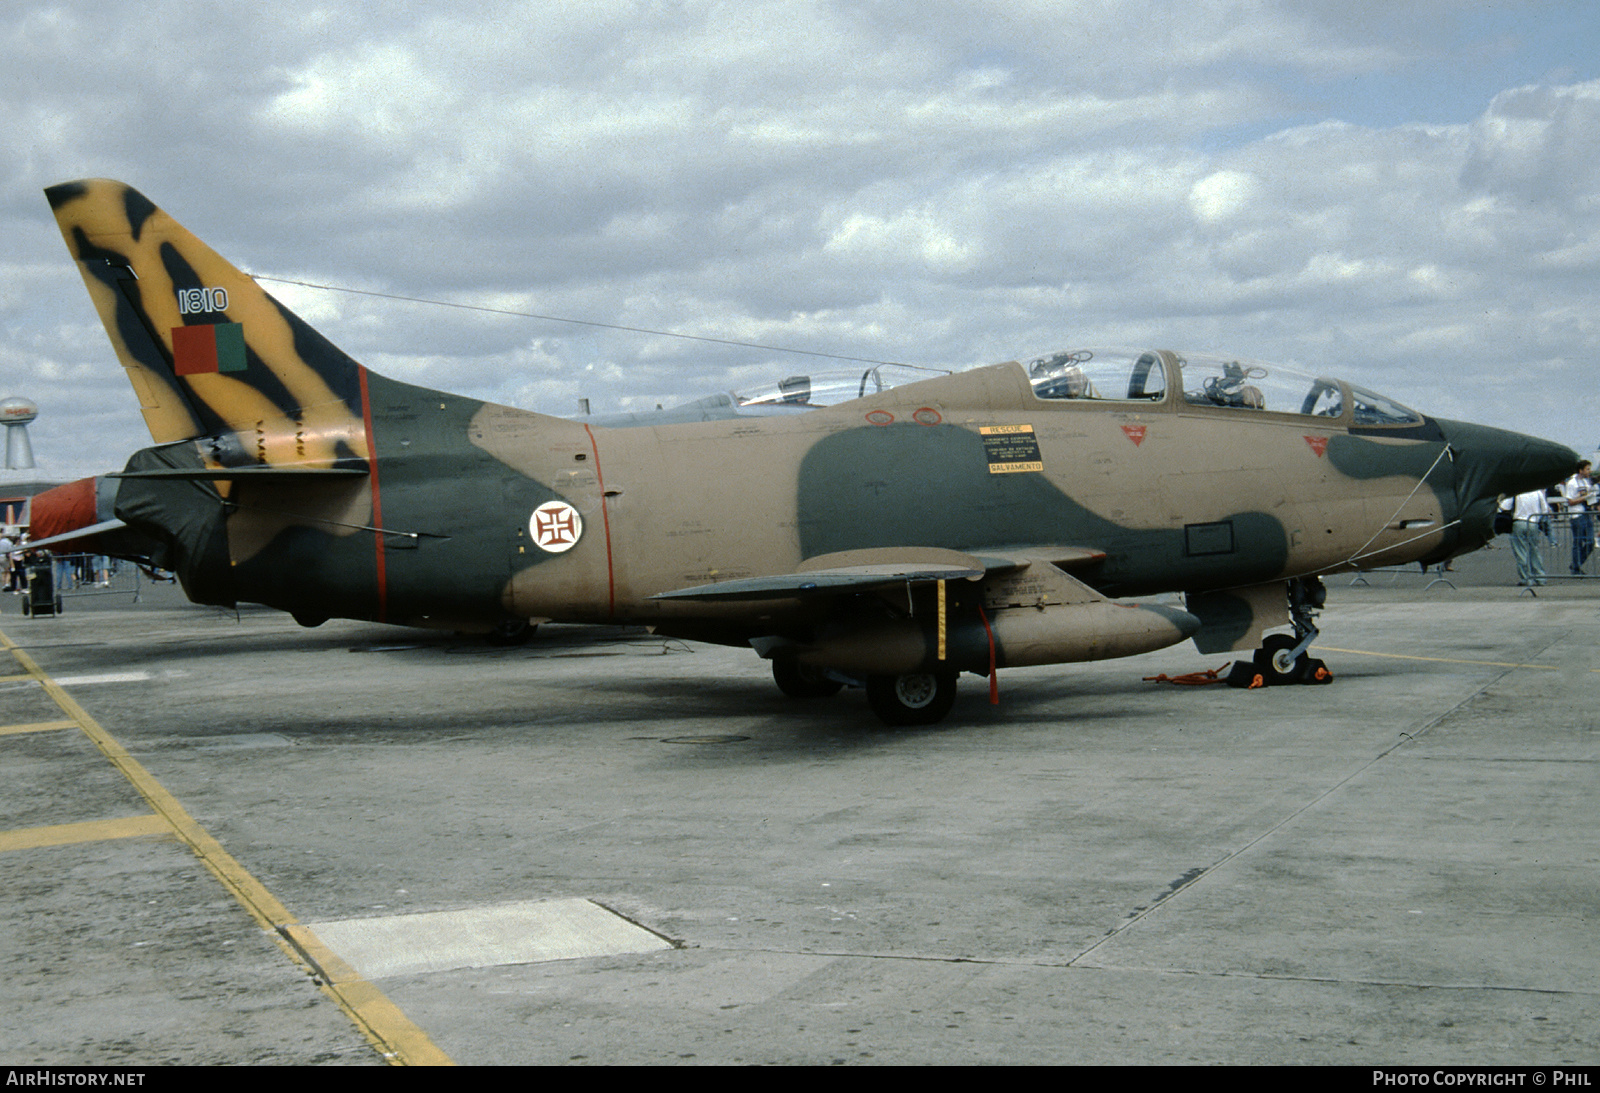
(555, 527)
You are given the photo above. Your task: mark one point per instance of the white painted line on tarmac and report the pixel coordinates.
(109, 677)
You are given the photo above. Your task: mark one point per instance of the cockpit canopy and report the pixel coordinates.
(1099, 374)
(1121, 375)
(831, 388)
(1150, 377)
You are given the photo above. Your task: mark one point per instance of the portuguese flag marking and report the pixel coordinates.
(198, 350)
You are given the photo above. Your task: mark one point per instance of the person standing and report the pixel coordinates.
(1526, 513)
(1579, 493)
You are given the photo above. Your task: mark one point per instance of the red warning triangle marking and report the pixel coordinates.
(1319, 444)
(1135, 434)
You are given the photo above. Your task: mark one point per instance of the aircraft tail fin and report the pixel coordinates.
(211, 355)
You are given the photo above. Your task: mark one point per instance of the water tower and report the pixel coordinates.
(15, 413)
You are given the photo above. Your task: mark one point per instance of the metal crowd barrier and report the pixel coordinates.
(75, 576)
(1555, 548)
(1553, 543)
(1390, 576)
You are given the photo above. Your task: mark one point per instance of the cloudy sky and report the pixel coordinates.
(1405, 193)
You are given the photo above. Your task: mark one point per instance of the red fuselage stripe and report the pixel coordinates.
(377, 503)
(605, 520)
(994, 676)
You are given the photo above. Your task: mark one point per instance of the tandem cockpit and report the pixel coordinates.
(1145, 376)
(1152, 378)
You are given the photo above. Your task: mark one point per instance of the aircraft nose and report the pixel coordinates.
(1490, 462)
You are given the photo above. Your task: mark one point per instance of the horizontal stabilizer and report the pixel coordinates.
(66, 537)
(258, 472)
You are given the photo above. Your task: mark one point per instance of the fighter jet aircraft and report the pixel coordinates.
(893, 536)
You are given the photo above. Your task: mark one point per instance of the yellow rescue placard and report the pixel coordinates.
(1011, 448)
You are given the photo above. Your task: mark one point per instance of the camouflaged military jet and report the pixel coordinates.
(893, 535)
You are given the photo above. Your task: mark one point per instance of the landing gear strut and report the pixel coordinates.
(1282, 658)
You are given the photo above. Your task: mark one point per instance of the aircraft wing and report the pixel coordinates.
(824, 582)
(881, 567)
(1062, 557)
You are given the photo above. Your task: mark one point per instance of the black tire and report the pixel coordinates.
(308, 620)
(801, 680)
(1275, 663)
(512, 632)
(919, 698)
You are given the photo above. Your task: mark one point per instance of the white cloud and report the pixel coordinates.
(1538, 144)
(1222, 195)
(944, 184)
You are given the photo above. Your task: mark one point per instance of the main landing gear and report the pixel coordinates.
(921, 698)
(918, 698)
(512, 632)
(1283, 658)
(802, 680)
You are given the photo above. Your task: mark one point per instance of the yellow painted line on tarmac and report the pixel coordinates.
(361, 996)
(1449, 660)
(383, 1023)
(15, 679)
(27, 838)
(37, 726)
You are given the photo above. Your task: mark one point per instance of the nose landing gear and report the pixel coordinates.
(1282, 658)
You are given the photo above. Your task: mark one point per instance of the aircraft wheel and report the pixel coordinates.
(511, 632)
(308, 620)
(920, 698)
(802, 680)
(1275, 661)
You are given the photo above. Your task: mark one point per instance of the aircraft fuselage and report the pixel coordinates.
(966, 522)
